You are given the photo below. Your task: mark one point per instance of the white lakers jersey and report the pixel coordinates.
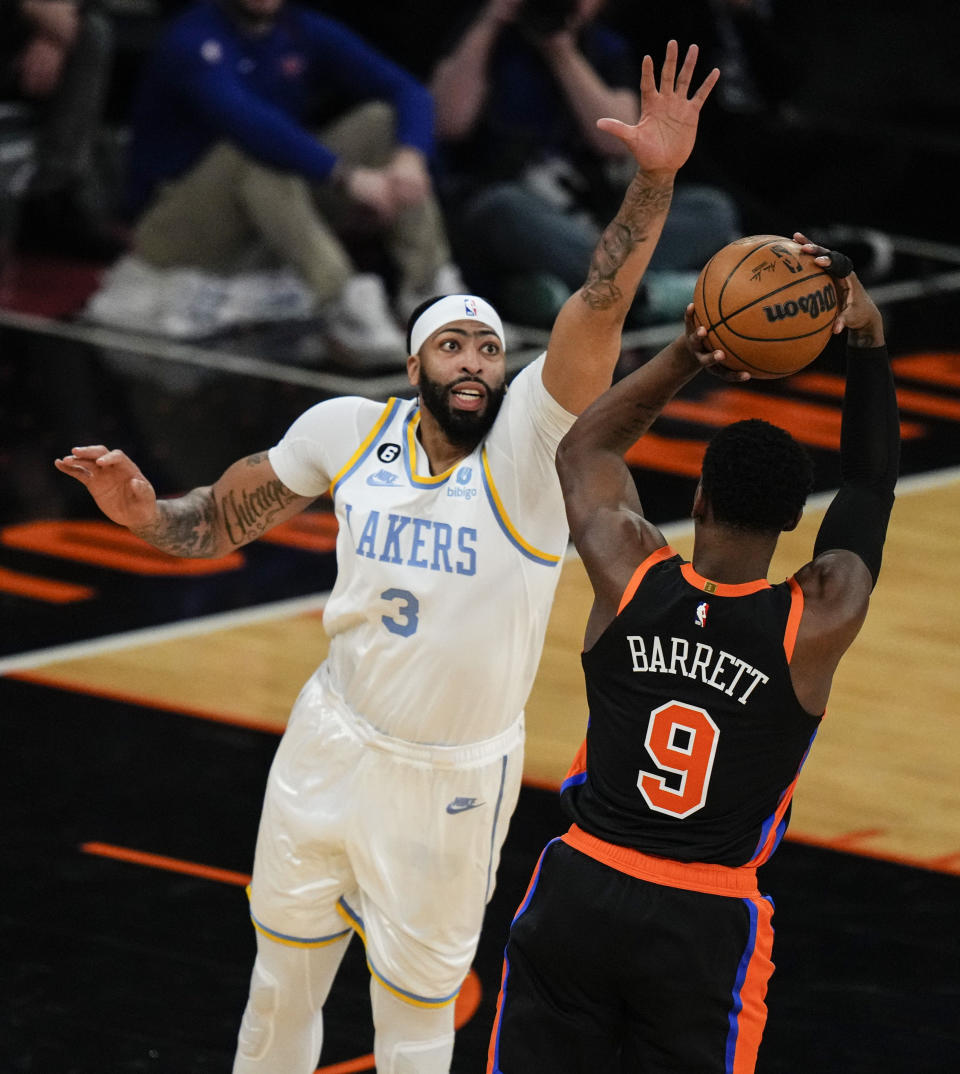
(444, 582)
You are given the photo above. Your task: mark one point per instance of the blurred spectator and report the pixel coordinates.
(743, 142)
(56, 55)
(225, 167)
(527, 179)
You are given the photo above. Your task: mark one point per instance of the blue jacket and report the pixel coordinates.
(208, 82)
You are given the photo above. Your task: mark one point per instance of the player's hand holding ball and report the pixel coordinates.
(710, 358)
(858, 312)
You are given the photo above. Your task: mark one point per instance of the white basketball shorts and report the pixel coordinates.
(397, 841)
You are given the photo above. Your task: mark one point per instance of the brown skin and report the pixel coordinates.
(613, 537)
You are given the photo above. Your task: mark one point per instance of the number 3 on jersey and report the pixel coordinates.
(682, 740)
(404, 621)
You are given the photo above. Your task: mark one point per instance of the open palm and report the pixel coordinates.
(664, 137)
(115, 482)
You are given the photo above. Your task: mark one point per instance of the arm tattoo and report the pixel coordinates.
(600, 291)
(185, 526)
(642, 204)
(194, 525)
(251, 514)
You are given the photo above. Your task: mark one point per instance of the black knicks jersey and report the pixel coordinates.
(696, 737)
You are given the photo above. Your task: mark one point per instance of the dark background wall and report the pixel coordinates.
(864, 126)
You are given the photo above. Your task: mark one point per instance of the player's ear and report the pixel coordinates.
(699, 509)
(413, 369)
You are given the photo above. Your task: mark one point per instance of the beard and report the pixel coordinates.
(465, 428)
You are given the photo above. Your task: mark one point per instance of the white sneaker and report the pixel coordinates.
(446, 281)
(360, 325)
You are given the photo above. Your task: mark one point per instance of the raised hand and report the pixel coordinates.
(858, 311)
(695, 338)
(115, 482)
(663, 139)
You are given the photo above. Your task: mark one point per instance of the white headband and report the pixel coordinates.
(453, 308)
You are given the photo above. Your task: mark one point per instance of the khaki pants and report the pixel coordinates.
(229, 206)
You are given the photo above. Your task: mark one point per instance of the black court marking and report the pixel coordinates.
(121, 968)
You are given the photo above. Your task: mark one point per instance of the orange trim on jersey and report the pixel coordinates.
(105, 544)
(793, 619)
(579, 763)
(723, 589)
(655, 557)
(770, 842)
(494, 1032)
(753, 1014)
(691, 876)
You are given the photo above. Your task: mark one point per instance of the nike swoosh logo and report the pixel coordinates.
(383, 478)
(461, 805)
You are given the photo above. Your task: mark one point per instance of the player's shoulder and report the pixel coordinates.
(529, 415)
(350, 408)
(528, 386)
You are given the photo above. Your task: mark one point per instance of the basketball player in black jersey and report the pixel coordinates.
(643, 943)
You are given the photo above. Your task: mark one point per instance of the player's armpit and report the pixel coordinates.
(836, 594)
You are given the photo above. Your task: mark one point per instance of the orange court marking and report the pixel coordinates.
(655, 452)
(921, 402)
(811, 423)
(313, 531)
(847, 844)
(49, 590)
(171, 865)
(943, 370)
(105, 544)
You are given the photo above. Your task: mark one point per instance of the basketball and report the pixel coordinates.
(766, 305)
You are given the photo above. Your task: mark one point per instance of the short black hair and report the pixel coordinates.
(756, 476)
(412, 319)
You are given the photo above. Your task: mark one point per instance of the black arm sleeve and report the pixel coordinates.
(869, 460)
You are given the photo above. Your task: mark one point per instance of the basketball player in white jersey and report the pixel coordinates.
(392, 787)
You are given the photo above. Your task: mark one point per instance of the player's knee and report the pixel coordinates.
(259, 1018)
(420, 1056)
(411, 1039)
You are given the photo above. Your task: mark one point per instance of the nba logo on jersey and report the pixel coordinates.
(470, 307)
(702, 608)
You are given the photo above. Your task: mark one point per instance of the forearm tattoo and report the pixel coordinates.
(197, 525)
(642, 204)
(248, 516)
(185, 526)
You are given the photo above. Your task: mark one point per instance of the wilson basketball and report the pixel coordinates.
(766, 305)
